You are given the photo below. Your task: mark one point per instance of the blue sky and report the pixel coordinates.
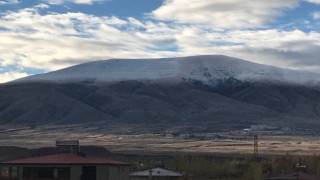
(43, 35)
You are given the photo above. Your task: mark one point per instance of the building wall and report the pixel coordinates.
(112, 172)
(118, 173)
(102, 172)
(76, 172)
(20, 173)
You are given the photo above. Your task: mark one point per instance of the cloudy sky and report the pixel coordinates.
(38, 36)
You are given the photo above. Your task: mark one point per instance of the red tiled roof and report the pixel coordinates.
(293, 176)
(63, 159)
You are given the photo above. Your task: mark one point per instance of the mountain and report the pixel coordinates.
(199, 93)
(207, 69)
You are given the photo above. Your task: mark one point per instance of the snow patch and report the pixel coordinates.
(207, 69)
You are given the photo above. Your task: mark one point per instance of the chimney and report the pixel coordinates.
(67, 146)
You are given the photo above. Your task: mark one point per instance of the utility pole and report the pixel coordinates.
(255, 146)
(299, 167)
(150, 174)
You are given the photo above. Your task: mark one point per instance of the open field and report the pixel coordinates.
(228, 158)
(156, 143)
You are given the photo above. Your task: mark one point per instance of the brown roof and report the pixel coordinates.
(293, 176)
(63, 159)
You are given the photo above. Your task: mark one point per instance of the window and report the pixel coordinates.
(46, 172)
(8, 172)
(63, 172)
(14, 172)
(26, 173)
(4, 172)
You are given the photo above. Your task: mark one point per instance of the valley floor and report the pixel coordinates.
(222, 143)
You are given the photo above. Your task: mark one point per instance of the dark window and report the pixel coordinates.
(46, 172)
(26, 173)
(89, 173)
(64, 173)
(14, 172)
(30, 172)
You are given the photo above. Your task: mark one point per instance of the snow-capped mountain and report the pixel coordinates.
(201, 93)
(208, 69)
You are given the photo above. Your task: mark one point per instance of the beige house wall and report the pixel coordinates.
(118, 173)
(102, 172)
(75, 172)
(20, 173)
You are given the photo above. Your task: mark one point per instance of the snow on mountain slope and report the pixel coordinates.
(207, 69)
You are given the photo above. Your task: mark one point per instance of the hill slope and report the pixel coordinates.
(204, 93)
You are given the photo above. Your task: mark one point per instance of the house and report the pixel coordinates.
(68, 164)
(156, 174)
(63, 167)
(295, 176)
(259, 127)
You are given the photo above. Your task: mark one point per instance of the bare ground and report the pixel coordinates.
(155, 143)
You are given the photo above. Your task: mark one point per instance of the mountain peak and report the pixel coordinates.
(205, 68)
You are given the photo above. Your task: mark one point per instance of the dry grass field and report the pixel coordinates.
(156, 144)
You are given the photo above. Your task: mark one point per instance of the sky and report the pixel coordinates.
(38, 36)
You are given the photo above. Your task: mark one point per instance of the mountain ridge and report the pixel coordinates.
(214, 98)
(207, 68)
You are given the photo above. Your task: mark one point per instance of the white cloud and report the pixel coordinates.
(42, 6)
(313, 1)
(288, 49)
(83, 1)
(53, 41)
(9, 76)
(316, 15)
(227, 14)
(56, 2)
(3, 2)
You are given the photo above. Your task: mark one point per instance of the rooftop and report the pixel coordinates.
(63, 159)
